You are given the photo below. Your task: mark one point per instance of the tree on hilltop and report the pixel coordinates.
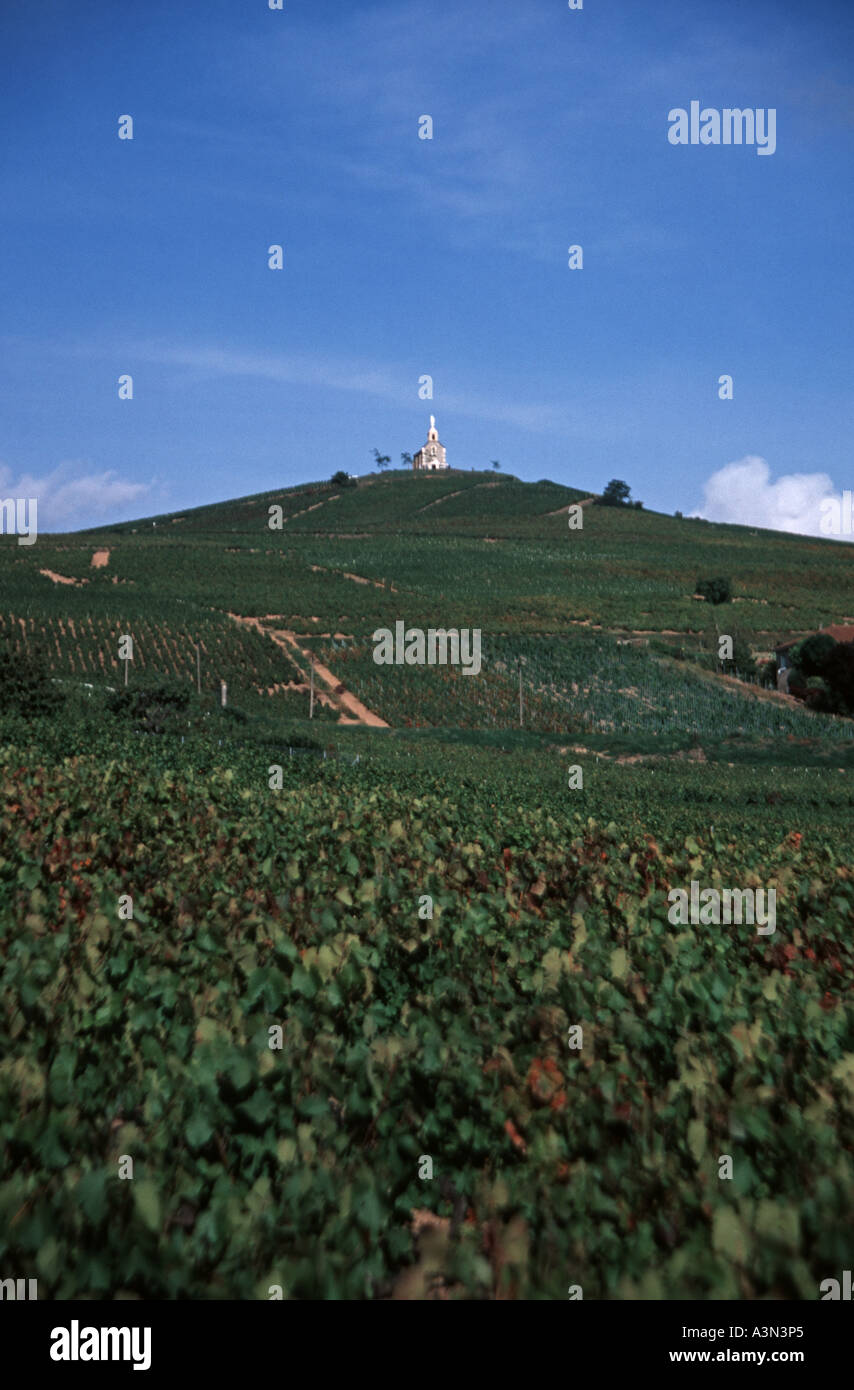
(616, 494)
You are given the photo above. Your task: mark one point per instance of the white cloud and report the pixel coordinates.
(68, 499)
(743, 493)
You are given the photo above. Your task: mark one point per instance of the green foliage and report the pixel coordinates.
(715, 590)
(616, 494)
(742, 662)
(152, 707)
(405, 1036)
(25, 683)
(828, 667)
(342, 479)
(839, 673)
(811, 655)
(574, 685)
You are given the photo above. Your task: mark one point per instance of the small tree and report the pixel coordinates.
(382, 460)
(813, 654)
(495, 463)
(406, 460)
(342, 479)
(25, 683)
(839, 674)
(616, 494)
(715, 590)
(154, 708)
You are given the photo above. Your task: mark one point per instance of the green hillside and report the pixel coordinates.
(463, 550)
(458, 927)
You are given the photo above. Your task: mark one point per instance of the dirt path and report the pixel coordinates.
(100, 559)
(313, 508)
(343, 700)
(436, 500)
(356, 578)
(61, 578)
(585, 502)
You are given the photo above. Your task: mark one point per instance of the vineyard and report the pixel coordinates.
(405, 1037)
(453, 931)
(576, 685)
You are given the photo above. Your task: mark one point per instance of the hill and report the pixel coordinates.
(389, 1003)
(574, 607)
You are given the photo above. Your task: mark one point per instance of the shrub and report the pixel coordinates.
(717, 590)
(25, 684)
(616, 494)
(839, 674)
(154, 709)
(811, 656)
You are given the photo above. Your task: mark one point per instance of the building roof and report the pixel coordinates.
(838, 632)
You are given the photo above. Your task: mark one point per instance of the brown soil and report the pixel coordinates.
(586, 502)
(101, 558)
(356, 578)
(342, 698)
(313, 508)
(447, 497)
(62, 578)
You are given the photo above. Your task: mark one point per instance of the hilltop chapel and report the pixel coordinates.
(432, 454)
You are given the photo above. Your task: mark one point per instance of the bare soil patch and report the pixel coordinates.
(62, 578)
(341, 698)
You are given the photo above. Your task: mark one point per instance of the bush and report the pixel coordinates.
(342, 479)
(839, 674)
(717, 590)
(25, 683)
(154, 709)
(811, 656)
(616, 494)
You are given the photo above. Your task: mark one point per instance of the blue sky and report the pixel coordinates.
(405, 257)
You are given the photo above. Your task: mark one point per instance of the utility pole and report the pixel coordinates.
(311, 698)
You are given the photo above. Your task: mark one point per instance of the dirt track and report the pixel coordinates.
(344, 700)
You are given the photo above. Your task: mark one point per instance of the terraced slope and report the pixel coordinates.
(477, 550)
